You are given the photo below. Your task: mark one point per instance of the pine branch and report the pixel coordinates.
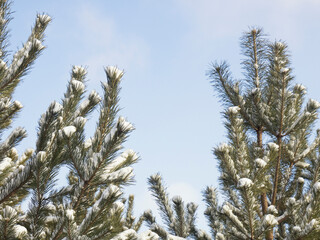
(158, 191)
(25, 57)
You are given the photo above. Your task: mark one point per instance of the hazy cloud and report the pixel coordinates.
(108, 44)
(215, 19)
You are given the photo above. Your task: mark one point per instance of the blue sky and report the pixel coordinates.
(165, 48)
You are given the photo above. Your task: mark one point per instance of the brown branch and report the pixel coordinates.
(254, 35)
(263, 196)
(279, 141)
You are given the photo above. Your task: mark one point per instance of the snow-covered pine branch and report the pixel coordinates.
(269, 178)
(92, 203)
(178, 218)
(25, 57)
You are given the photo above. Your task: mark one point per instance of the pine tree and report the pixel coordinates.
(269, 169)
(92, 205)
(179, 219)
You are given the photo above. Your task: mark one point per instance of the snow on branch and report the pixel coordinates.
(114, 72)
(245, 183)
(108, 196)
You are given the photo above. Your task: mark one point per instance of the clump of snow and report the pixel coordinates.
(272, 209)
(19, 231)
(29, 151)
(176, 199)
(273, 146)
(43, 18)
(312, 105)
(292, 200)
(260, 163)
(313, 222)
(51, 218)
(234, 110)
(25, 50)
(112, 189)
(172, 237)
(255, 66)
(95, 96)
(5, 163)
(270, 220)
(114, 71)
(70, 214)
(192, 207)
(316, 187)
(129, 153)
(69, 130)
(222, 147)
(83, 105)
(148, 212)
(42, 235)
(121, 174)
(148, 235)
(51, 207)
(79, 70)
(60, 119)
(37, 44)
(284, 70)
(300, 88)
(300, 180)
(126, 126)
(56, 107)
(118, 206)
(301, 164)
(296, 229)
(245, 182)
(238, 121)
(88, 143)
(80, 121)
(124, 235)
(121, 159)
(9, 211)
(254, 91)
(79, 86)
(280, 44)
(226, 209)
(18, 104)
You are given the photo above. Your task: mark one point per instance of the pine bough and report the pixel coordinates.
(269, 168)
(92, 205)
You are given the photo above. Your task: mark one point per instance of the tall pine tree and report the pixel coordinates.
(269, 168)
(92, 205)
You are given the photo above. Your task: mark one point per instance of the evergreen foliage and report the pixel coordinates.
(269, 168)
(270, 165)
(180, 219)
(92, 205)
